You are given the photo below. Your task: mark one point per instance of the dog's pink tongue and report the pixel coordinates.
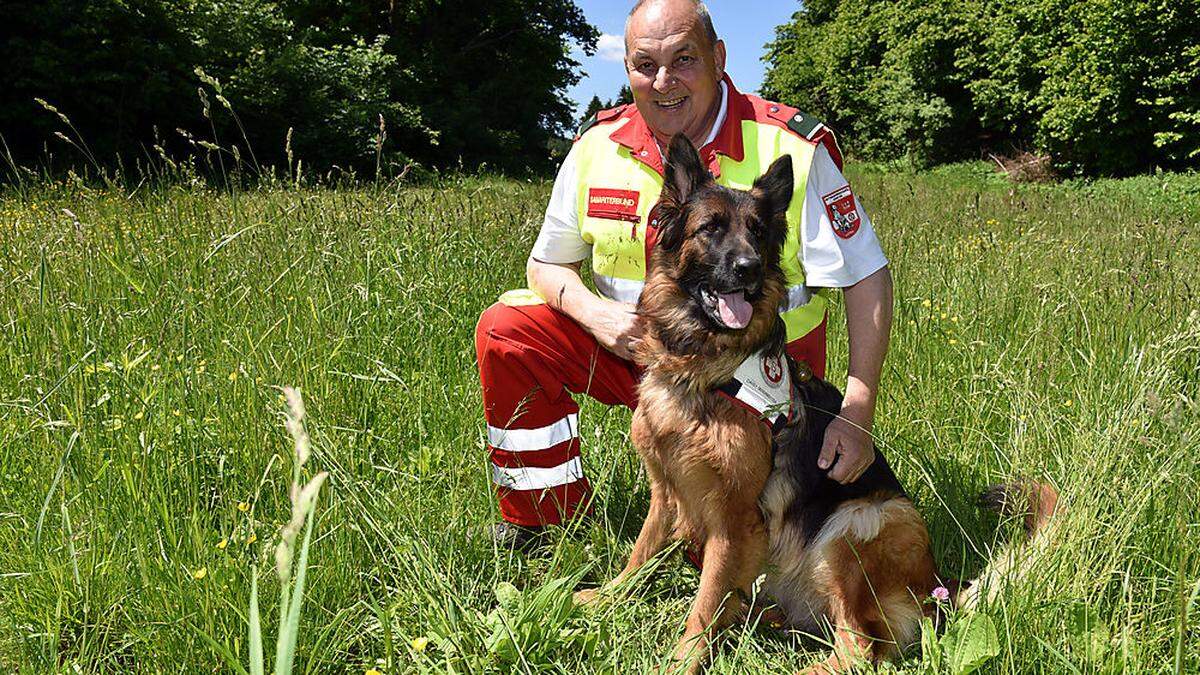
(735, 311)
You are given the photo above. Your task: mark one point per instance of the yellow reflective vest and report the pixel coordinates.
(620, 177)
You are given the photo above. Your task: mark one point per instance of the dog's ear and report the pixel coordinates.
(774, 188)
(671, 225)
(684, 172)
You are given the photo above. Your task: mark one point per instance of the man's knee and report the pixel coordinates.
(499, 324)
(517, 318)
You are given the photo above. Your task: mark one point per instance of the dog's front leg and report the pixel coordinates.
(731, 563)
(656, 531)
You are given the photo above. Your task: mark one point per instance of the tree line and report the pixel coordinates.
(346, 83)
(1100, 87)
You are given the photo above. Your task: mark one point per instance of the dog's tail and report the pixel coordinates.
(1035, 503)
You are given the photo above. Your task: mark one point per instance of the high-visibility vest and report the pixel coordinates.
(620, 177)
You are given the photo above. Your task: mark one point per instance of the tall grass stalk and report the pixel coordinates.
(291, 573)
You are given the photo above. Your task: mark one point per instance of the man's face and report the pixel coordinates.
(674, 72)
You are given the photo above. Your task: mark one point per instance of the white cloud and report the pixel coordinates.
(611, 48)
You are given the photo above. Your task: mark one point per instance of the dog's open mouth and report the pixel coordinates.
(732, 310)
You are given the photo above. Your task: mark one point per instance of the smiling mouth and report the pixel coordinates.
(731, 310)
(671, 104)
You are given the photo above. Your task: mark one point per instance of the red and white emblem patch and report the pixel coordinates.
(613, 204)
(843, 214)
(773, 369)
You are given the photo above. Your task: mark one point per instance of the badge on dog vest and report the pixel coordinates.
(763, 384)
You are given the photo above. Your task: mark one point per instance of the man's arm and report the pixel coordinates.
(615, 325)
(869, 324)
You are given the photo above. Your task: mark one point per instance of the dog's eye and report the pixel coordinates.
(712, 226)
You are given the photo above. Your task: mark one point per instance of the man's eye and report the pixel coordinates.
(684, 60)
(646, 67)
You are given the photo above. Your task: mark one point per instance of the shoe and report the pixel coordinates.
(513, 536)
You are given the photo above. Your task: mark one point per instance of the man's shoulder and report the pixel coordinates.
(603, 118)
(798, 123)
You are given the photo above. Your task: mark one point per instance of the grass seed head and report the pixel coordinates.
(295, 423)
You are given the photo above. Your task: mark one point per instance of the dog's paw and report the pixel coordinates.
(818, 669)
(588, 597)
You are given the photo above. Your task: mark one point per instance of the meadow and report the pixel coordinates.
(145, 330)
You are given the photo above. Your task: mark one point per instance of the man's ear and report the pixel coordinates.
(774, 188)
(684, 173)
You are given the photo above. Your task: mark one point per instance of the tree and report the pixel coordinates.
(624, 97)
(1102, 86)
(594, 106)
(453, 81)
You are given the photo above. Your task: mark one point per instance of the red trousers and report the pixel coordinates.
(532, 358)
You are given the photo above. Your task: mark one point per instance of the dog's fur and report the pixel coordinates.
(856, 556)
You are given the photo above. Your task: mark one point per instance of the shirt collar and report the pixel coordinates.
(725, 138)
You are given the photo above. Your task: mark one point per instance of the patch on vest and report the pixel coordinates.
(762, 384)
(843, 215)
(613, 204)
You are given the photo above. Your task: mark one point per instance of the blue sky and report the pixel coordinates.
(744, 25)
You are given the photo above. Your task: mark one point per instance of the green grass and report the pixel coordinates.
(1040, 331)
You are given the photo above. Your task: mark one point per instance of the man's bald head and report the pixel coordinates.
(675, 64)
(698, 9)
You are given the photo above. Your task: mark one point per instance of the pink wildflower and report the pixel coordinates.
(941, 594)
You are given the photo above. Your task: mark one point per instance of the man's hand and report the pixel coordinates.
(848, 449)
(616, 326)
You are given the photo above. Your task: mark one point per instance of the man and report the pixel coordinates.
(537, 348)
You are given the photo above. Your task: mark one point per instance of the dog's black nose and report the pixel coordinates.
(746, 267)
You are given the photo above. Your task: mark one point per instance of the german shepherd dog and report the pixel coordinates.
(855, 557)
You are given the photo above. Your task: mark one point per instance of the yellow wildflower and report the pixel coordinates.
(139, 415)
(200, 573)
(925, 303)
(372, 671)
(419, 644)
(233, 376)
(944, 315)
(953, 341)
(222, 544)
(1070, 403)
(251, 539)
(243, 506)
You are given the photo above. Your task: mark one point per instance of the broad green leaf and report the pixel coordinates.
(1088, 633)
(969, 643)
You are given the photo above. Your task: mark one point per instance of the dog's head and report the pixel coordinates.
(718, 250)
